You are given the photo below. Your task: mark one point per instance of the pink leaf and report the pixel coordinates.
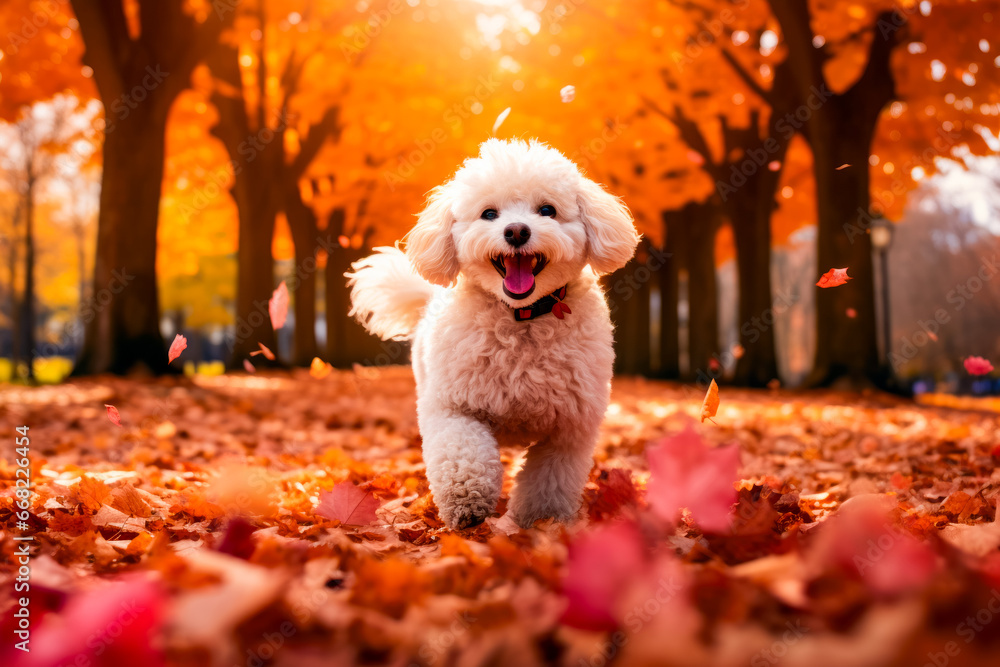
(113, 415)
(601, 564)
(105, 626)
(687, 473)
(179, 345)
(348, 504)
(248, 367)
(978, 366)
(277, 307)
(833, 278)
(862, 540)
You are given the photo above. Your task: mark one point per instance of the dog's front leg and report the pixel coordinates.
(463, 465)
(555, 471)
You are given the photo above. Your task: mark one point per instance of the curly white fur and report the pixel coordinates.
(482, 377)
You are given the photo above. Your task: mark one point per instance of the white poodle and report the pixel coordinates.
(512, 340)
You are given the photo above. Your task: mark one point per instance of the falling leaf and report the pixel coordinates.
(833, 278)
(248, 367)
(687, 473)
(978, 366)
(263, 350)
(843, 166)
(178, 345)
(348, 504)
(500, 119)
(738, 351)
(113, 415)
(851, 313)
(277, 307)
(567, 94)
(319, 369)
(774, 165)
(932, 336)
(710, 405)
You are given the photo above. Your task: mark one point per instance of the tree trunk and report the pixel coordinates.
(703, 309)
(628, 297)
(28, 301)
(750, 218)
(123, 330)
(255, 270)
(669, 286)
(302, 222)
(840, 131)
(846, 347)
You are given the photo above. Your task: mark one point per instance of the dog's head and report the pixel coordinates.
(520, 221)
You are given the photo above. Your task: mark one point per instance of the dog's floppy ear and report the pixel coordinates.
(611, 236)
(429, 245)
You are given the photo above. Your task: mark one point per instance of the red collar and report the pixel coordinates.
(553, 303)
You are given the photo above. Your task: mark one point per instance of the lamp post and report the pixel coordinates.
(881, 238)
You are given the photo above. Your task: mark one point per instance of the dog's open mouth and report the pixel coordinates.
(518, 272)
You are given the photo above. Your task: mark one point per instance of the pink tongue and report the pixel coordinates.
(519, 278)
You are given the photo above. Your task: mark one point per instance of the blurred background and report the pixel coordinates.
(165, 164)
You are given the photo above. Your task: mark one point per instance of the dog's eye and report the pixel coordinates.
(548, 211)
(489, 214)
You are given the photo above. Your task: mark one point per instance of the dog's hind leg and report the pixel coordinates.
(555, 471)
(463, 465)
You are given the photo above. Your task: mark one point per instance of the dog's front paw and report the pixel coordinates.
(460, 509)
(526, 514)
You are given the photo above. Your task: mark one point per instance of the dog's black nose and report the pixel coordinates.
(516, 234)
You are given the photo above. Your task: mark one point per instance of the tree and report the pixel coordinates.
(140, 64)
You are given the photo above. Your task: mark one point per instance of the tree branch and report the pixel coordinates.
(328, 126)
(746, 77)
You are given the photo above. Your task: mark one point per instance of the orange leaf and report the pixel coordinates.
(711, 403)
(319, 369)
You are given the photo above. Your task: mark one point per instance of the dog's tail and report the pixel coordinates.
(387, 295)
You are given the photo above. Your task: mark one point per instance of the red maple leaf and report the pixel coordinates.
(178, 345)
(277, 307)
(687, 473)
(348, 504)
(833, 278)
(614, 493)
